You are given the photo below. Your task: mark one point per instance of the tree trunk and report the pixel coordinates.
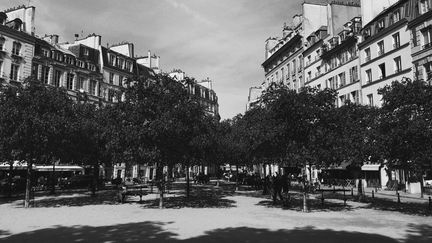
(28, 184)
(95, 179)
(10, 177)
(305, 206)
(187, 181)
(237, 178)
(53, 179)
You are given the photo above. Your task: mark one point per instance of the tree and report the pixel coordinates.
(404, 127)
(41, 116)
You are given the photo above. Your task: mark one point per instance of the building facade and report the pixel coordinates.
(385, 52)
(16, 49)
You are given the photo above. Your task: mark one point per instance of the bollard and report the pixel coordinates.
(373, 194)
(352, 191)
(398, 200)
(322, 198)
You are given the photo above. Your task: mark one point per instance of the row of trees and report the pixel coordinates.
(155, 121)
(306, 128)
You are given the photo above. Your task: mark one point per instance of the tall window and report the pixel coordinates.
(368, 75)
(35, 70)
(367, 54)
(342, 80)
(111, 59)
(380, 48)
(120, 80)
(69, 81)
(81, 84)
(57, 78)
(396, 40)
(398, 64)
(111, 78)
(332, 83)
(427, 37)
(45, 74)
(382, 70)
(93, 84)
(396, 16)
(283, 74)
(120, 62)
(370, 99)
(1, 68)
(16, 48)
(1, 45)
(14, 72)
(353, 74)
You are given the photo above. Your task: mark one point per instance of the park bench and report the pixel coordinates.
(131, 190)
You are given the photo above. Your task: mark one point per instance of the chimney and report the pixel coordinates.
(54, 39)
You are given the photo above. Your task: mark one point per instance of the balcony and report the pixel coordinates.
(381, 52)
(367, 59)
(396, 45)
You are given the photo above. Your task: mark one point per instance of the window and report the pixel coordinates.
(81, 83)
(14, 72)
(332, 83)
(370, 99)
(309, 76)
(367, 55)
(398, 64)
(1, 65)
(45, 74)
(93, 84)
(57, 78)
(382, 70)
(379, 26)
(368, 75)
(355, 97)
(128, 66)
(396, 16)
(342, 81)
(283, 74)
(111, 59)
(16, 48)
(69, 81)
(120, 63)
(1, 45)
(318, 73)
(380, 48)
(396, 40)
(427, 37)
(366, 33)
(424, 6)
(45, 53)
(86, 52)
(294, 67)
(120, 80)
(35, 70)
(353, 74)
(111, 78)
(277, 76)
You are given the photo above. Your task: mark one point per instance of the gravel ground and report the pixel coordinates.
(210, 215)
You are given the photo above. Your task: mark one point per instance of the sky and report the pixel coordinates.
(219, 39)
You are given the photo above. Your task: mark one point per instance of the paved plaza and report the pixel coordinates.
(212, 214)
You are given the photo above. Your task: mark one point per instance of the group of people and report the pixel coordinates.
(276, 185)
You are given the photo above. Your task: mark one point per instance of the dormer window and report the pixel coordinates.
(16, 48)
(379, 26)
(424, 6)
(396, 16)
(366, 33)
(111, 59)
(3, 18)
(86, 52)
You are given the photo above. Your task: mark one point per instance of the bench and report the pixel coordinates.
(131, 190)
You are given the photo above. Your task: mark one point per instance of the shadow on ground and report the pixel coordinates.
(154, 232)
(384, 204)
(74, 200)
(295, 202)
(201, 196)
